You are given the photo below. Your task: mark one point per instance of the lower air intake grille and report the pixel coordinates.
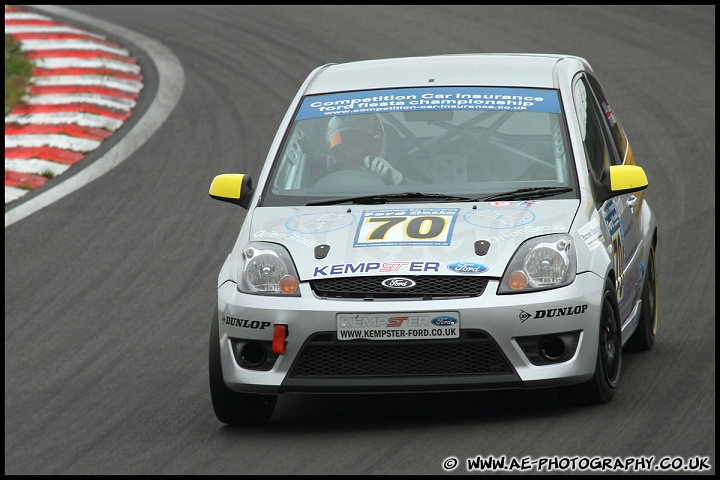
(324, 357)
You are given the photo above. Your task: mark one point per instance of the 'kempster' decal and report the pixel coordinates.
(375, 267)
(396, 227)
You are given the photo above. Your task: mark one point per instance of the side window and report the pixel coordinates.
(616, 130)
(595, 138)
(292, 163)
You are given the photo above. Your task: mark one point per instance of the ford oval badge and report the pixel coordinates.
(444, 321)
(467, 267)
(398, 283)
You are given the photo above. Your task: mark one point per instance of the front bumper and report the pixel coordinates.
(497, 348)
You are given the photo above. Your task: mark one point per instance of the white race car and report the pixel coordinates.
(443, 223)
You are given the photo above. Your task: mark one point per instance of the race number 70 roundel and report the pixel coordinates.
(401, 226)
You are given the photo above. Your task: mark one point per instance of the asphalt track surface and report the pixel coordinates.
(109, 290)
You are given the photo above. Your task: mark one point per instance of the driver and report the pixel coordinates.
(358, 142)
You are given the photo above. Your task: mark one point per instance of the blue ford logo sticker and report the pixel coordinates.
(443, 321)
(398, 283)
(467, 267)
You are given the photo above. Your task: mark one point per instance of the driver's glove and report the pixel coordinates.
(382, 168)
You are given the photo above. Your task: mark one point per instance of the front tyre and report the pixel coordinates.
(601, 388)
(643, 338)
(234, 408)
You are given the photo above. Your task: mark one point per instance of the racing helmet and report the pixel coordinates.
(351, 138)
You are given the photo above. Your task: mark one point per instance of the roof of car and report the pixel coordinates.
(487, 69)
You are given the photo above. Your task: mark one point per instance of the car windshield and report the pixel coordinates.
(470, 142)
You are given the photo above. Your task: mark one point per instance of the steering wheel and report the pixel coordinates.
(349, 178)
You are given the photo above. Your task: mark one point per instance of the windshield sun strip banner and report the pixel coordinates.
(430, 98)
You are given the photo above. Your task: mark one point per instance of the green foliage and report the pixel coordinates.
(18, 70)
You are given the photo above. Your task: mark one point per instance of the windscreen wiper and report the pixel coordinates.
(391, 198)
(530, 193)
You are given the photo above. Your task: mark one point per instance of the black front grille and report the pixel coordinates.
(426, 287)
(325, 357)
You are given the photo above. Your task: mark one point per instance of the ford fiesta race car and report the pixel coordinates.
(446, 223)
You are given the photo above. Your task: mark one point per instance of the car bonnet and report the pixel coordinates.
(417, 239)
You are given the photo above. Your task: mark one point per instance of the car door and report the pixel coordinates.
(605, 145)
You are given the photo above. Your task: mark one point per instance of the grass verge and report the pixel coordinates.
(18, 70)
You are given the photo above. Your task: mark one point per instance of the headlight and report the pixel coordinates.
(541, 263)
(267, 269)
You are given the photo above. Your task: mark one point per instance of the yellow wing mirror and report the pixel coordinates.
(232, 187)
